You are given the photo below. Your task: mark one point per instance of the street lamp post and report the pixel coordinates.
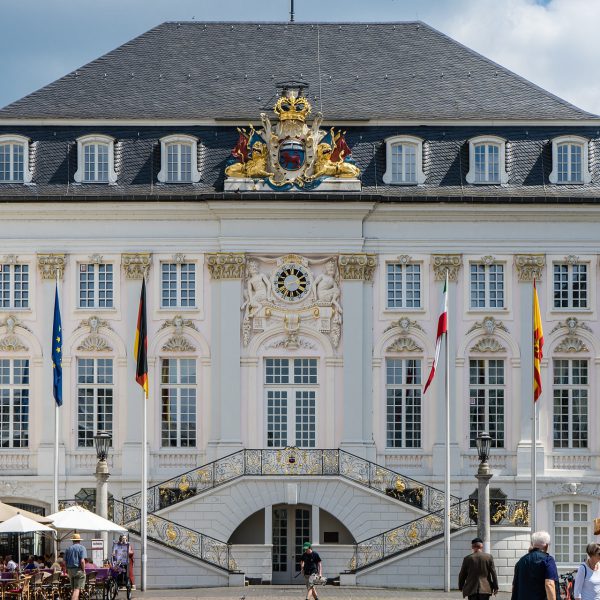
(483, 442)
(102, 442)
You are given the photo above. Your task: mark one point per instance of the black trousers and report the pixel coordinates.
(479, 596)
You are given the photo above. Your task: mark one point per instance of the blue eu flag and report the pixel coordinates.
(57, 351)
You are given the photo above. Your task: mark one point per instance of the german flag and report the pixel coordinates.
(140, 346)
(538, 344)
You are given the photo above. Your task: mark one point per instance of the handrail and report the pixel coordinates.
(292, 462)
(424, 529)
(176, 536)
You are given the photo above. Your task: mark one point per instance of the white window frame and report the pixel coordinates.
(487, 275)
(573, 389)
(178, 285)
(291, 389)
(87, 140)
(96, 286)
(570, 525)
(404, 265)
(23, 141)
(488, 140)
(586, 176)
(178, 386)
(588, 290)
(388, 177)
(190, 140)
(12, 287)
(12, 387)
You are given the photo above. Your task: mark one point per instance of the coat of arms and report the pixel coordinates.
(290, 154)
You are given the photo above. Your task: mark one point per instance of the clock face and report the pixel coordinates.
(291, 282)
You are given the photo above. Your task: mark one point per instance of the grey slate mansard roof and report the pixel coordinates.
(223, 71)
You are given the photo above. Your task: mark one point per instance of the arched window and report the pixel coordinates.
(179, 159)
(487, 161)
(178, 392)
(404, 161)
(95, 159)
(14, 159)
(570, 160)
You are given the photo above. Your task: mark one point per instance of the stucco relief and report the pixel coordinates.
(95, 341)
(404, 324)
(574, 488)
(489, 325)
(12, 342)
(404, 344)
(178, 342)
(530, 266)
(572, 344)
(488, 345)
(292, 292)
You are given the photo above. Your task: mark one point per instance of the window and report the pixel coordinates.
(95, 159)
(403, 285)
(178, 400)
(487, 161)
(570, 160)
(487, 285)
(570, 285)
(179, 159)
(14, 159)
(14, 286)
(571, 532)
(178, 285)
(403, 403)
(14, 403)
(486, 400)
(570, 403)
(404, 161)
(95, 285)
(94, 399)
(291, 402)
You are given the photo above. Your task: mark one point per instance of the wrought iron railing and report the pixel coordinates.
(429, 527)
(292, 462)
(176, 536)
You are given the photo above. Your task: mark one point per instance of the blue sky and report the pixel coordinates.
(553, 43)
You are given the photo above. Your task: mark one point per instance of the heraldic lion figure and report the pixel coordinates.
(255, 167)
(325, 167)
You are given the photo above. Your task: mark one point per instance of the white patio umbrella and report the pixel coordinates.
(77, 518)
(20, 524)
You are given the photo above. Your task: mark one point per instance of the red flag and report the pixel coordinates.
(442, 329)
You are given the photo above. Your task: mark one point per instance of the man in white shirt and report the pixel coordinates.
(11, 565)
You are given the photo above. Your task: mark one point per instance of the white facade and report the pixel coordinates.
(231, 347)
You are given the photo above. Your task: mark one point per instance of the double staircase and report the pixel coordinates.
(296, 462)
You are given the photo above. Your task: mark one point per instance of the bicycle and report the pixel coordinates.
(118, 579)
(567, 581)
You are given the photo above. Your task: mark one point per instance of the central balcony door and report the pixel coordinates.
(291, 528)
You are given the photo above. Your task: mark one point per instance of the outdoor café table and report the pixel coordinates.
(7, 582)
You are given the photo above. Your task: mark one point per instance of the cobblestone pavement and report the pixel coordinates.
(285, 592)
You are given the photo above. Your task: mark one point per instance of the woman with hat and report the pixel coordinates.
(75, 556)
(310, 565)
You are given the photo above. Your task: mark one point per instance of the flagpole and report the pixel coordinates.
(447, 470)
(56, 433)
(144, 507)
(532, 509)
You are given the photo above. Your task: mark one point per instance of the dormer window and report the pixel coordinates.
(570, 160)
(95, 159)
(404, 161)
(179, 159)
(487, 161)
(14, 159)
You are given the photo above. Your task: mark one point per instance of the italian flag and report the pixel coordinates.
(442, 329)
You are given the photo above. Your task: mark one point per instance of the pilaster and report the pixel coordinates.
(356, 274)
(226, 271)
(528, 267)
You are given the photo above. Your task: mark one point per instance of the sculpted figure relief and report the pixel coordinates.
(258, 289)
(326, 288)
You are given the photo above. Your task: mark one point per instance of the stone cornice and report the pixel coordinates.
(136, 265)
(52, 266)
(530, 266)
(226, 265)
(357, 267)
(450, 263)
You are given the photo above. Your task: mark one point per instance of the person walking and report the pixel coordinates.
(310, 565)
(477, 578)
(75, 556)
(587, 579)
(536, 575)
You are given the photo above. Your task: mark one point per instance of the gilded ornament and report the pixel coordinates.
(136, 265)
(226, 265)
(171, 533)
(446, 263)
(360, 267)
(530, 266)
(52, 266)
(184, 484)
(399, 485)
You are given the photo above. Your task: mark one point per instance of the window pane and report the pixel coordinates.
(276, 419)
(403, 403)
(105, 286)
(169, 284)
(305, 419)
(486, 400)
(305, 371)
(403, 285)
(86, 286)
(277, 370)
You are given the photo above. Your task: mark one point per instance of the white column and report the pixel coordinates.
(315, 526)
(356, 273)
(528, 267)
(227, 271)
(134, 268)
(443, 263)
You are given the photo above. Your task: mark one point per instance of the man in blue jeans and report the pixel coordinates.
(536, 576)
(75, 557)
